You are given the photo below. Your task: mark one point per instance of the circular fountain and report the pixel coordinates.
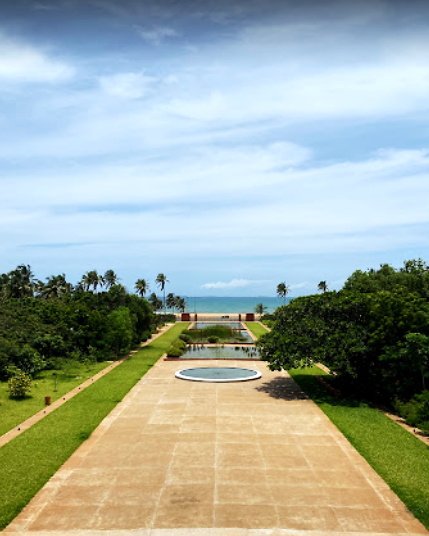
(218, 374)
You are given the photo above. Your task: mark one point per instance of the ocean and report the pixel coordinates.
(213, 304)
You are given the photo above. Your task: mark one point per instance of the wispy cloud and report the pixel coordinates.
(299, 285)
(127, 85)
(234, 283)
(157, 34)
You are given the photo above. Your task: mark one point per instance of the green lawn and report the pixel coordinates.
(29, 460)
(14, 412)
(397, 456)
(256, 328)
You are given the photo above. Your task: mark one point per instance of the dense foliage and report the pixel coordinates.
(374, 333)
(41, 323)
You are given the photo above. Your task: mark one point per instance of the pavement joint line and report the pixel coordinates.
(28, 423)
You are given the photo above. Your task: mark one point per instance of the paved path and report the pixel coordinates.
(234, 459)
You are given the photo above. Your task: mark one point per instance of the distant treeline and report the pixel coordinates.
(374, 334)
(41, 323)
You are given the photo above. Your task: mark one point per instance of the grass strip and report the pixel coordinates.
(256, 328)
(32, 458)
(16, 411)
(397, 456)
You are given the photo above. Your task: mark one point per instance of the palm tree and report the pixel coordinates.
(282, 290)
(155, 302)
(161, 280)
(110, 279)
(260, 309)
(55, 287)
(141, 287)
(20, 282)
(323, 286)
(171, 301)
(180, 303)
(92, 279)
(86, 281)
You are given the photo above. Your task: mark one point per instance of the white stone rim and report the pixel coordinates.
(181, 376)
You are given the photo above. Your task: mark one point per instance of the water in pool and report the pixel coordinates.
(231, 325)
(227, 352)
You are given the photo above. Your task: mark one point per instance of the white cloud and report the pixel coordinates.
(127, 85)
(21, 62)
(299, 285)
(234, 283)
(156, 34)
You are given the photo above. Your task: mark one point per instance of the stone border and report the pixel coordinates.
(18, 430)
(181, 376)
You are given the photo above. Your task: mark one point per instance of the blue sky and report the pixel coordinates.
(229, 145)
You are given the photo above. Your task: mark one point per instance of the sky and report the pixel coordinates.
(231, 145)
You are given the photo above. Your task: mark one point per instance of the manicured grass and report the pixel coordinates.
(256, 328)
(397, 456)
(29, 460)
(14, 412)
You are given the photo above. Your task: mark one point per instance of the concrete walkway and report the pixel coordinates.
(238, 459)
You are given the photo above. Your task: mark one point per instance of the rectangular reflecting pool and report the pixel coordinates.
(231, 325)
(227, 352)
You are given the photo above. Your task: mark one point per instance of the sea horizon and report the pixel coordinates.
(231, 304)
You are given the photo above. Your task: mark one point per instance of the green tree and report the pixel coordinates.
(56, 286)
(171, 301)
(119, 330)
(180, 304)
(282, 291)
(155, 302)
(260, 309)
(323, 286)
(141, 287)
(110, 279)
(161, 280)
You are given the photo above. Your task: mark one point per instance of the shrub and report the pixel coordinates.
(416, 411)
(19, 385)
(184, 337)
(180, 344)
(145, 336)
(213, 339)
(30, 361)
(174, 352)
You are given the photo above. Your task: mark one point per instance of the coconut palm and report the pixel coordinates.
(180, 303)
(260, 309)
(110, 279)
(20, 282)
(56, 286)
(92, 279)
(282, 291)
(141, 287)
(155, 302)
(323, 286)
(161, 281)
(171, 301)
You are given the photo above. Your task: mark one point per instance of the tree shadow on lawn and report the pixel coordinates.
(304, 386)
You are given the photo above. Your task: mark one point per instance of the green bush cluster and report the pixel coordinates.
(221, 333)
(416, 411)
(19, 385)
(177, 348)
(212, 339)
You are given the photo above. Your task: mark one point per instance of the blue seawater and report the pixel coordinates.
(217, 305)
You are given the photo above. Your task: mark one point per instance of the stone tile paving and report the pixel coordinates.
(250, 458)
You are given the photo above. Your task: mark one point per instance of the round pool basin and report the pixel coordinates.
(218, 374)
